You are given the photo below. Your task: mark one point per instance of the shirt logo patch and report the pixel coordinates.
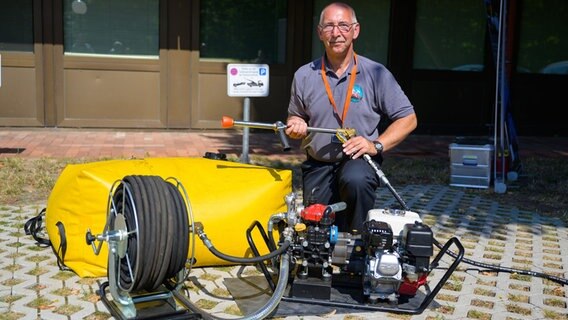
(357, 93)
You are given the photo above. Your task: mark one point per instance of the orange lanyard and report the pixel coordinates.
(349, 89)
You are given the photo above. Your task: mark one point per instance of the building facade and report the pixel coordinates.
(163, 63)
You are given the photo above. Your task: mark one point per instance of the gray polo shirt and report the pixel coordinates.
(375, 94)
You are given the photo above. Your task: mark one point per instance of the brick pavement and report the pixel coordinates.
(94, 144)
(100, 143)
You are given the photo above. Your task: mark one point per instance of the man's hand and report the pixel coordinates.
(357, 146)
(296, 127)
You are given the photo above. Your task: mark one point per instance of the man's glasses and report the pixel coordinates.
(342, 26)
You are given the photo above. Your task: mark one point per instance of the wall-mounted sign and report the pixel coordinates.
(247, 80)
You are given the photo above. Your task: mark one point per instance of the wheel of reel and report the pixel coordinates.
(153, 215)
(123, 207)
(120, 224)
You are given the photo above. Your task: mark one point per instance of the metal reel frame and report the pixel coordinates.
(122, 231)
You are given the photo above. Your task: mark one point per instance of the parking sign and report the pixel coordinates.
(247, 80)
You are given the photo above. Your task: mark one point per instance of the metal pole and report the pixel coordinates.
(246, 117)
(500, 185)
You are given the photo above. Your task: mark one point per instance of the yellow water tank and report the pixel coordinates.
(225, 196)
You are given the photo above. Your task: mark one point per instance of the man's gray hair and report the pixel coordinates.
(342, 5)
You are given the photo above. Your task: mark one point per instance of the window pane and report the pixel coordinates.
(244, 30)
(543, 45)
(374, 36)
(125, 27)
(449, 35)
(16, 25)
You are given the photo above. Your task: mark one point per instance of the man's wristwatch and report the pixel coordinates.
(379, 147)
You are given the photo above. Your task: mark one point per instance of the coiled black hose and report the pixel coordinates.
(181, 236)
(158, 236)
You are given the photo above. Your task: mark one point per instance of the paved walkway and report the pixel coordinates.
(32, 286)
(84, 143)
(493, 233)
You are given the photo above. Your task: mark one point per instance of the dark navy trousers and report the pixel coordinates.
(351, 181)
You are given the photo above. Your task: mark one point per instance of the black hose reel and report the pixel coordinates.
(148, 234)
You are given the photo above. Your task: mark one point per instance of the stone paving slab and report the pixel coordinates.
(32, 286)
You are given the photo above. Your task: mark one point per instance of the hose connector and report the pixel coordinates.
(287, 234)
(201, 234)
(274, 219)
